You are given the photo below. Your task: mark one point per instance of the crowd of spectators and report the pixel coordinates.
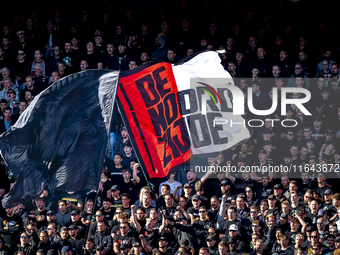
(267, 44)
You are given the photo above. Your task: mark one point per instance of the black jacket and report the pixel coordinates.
(103, 239)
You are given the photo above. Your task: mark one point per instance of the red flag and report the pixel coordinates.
(147, 98)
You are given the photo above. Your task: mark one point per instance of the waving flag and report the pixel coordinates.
(170, 112)
(59, 141)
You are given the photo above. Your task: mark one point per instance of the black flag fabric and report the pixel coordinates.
(60, 139)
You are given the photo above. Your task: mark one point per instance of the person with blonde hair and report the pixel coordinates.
(145, 191)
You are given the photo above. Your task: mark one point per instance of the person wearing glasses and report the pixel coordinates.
(98, 217)
(55, 58)
(298, 70)
(20, 67)
(203, 224)
(52, 232)
(124, 236)
(25, 245)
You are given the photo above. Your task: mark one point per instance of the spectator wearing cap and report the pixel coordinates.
(163, 245)
(124, 249)
(329, 135)
(273, 207)
(116, 197)
(94, 59)
(182, 231)
(75, 220)
(283, 222)
(278, 193)
(187, 189)
(212, 244)
(67, 250)
(129, 155)
(194, 210)
(51, 218)
(137, 248)
(226, 191)
(232, 236)
(100, 250)
(328, 206)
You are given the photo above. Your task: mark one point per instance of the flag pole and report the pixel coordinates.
(88, 227)
(108, 140)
